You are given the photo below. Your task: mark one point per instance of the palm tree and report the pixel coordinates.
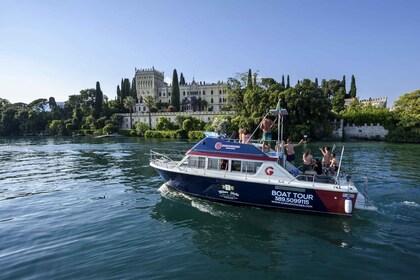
(149, 101)
(129, 103)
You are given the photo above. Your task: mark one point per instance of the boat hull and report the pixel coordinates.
(271, 195)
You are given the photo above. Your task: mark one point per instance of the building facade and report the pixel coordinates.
(194, 96)
(378, 102)
(202, 100)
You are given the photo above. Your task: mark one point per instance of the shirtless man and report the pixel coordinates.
(290, 150)
(265, 126)
(326, 159)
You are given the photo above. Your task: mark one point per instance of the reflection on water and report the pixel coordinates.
(256, 238)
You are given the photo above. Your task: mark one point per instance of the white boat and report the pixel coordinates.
(226, 171)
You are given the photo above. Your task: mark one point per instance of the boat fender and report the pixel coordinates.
(269, 171)
(348, 206)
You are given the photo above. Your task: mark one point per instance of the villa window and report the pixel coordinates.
(211, 92)
(204, 92)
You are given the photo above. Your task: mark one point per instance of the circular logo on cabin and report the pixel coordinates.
(269, 171)
(218, 145)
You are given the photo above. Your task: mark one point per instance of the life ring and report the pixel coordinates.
(269, 171)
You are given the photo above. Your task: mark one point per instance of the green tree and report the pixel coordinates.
(133, 90)
(56, 127)
(308, 110)
(164, 124)
(10, 125)
(338, 100)
(249, 81)
(175, 91)
(288, 82)
(129, 103)
(149, 102)
(141, 128)
(282, 81)
(182, 80)
(343, 85)
(407, 110)
(353, 89)
(98, 101)
(187, 125)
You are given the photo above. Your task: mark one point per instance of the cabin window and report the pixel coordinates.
(197, 162)
(250, 166)
(218, 164)
(236, 166)
(213, 163)
(224, 164)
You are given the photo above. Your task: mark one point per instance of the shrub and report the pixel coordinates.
(195, 134)
(141, 128)
(401, 135)
(181, 134)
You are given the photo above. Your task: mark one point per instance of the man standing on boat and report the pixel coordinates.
(290, 149)
(265, 126)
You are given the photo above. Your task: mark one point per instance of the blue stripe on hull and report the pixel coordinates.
(238, 192)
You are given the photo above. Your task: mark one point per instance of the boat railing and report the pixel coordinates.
(166, 156)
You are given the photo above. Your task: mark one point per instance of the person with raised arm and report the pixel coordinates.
(290, 150)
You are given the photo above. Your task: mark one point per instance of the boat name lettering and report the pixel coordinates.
(292, 198)
(349, 195)
(219, 145)
(228, 194)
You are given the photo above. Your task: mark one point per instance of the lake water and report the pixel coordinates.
(94, 209)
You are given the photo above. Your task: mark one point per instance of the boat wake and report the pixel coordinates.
(197, 203)
(410, 204)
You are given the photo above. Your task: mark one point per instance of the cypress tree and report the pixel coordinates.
(175, 91)
(122, 91)
(282, 81)
(133, 91)
(316, 82)
(118, 93)
(352, 92)
(249, 82)
(288, 82)
(343, 84)
(99, 97)
(182, 80)
(126, 88)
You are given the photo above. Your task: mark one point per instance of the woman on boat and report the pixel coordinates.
(244, 136)
(334, 163)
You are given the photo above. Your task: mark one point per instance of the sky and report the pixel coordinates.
(57, 48)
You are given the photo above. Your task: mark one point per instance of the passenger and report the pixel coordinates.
(246, 136)
(290, 150)
(308, 161)
(265, 126)
(224, 164)
(326, 159)
(318, 167)
(241, 133)
(335, 163)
